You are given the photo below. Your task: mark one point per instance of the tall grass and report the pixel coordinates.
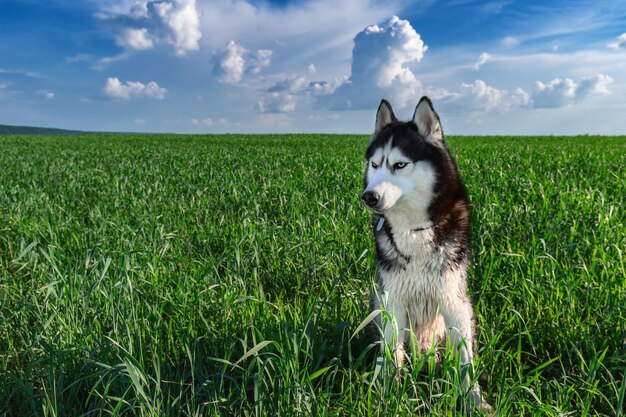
(229, 275)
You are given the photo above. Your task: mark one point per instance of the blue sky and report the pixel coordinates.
(212, 66)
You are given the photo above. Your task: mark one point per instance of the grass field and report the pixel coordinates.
(229, 275)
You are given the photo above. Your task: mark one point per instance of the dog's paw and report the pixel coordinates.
(486, 409)
(479, 404)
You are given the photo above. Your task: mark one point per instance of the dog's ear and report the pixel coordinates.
(384, 116)
(427, 121)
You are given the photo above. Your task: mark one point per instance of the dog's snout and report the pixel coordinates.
(370, 198)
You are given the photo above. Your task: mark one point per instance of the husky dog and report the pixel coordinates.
(421, 223)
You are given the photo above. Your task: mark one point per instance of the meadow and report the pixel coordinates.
(165, 275)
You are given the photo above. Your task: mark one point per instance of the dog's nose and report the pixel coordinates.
(370, 198)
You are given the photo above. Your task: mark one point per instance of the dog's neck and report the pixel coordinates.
(382, 219)
(406, 221)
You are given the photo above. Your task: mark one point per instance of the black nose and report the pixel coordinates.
(370, 198)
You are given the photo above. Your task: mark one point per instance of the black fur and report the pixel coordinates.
(449, 215)
(388, 262)
(449, 211)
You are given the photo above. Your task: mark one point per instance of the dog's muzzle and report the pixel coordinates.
(370, 198)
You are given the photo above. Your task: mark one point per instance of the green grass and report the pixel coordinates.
(227, 275)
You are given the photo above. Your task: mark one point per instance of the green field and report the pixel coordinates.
(229, 275)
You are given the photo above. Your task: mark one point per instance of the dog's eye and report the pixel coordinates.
(374, 165)
(399, 165)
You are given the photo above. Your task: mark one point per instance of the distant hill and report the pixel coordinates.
(30, 130)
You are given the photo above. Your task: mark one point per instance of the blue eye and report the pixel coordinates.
(399, 165)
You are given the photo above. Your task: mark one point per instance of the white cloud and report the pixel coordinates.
(229, 64)
(479, 97)
(619, 42)
(184, 25)
(204, 122)
(482, 59)
(141, 23)
(510, 42)
(311, 24)
(565, 92)
(520, 98)
(379, 67)
(232, 62)
(598, 84)
(283, 96)
(293, 85)
(554, 94)
(275, 102)
(324, 88)
(380, 60)
(259, 60)
(134, 38)
(79, 58)
(46, 93)
(289, 93)
(483, 96)
(114, 89)
(96, 63)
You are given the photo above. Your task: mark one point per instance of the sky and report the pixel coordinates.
(500, 67)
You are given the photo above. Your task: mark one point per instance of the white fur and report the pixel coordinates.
(424, 297)
(424, 294)
(428, 300)
(405, 193)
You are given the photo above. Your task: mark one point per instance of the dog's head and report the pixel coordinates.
(402, 159)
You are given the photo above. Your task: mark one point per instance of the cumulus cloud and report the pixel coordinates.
(293, 85)
(114, 89)
(324, 88)
(482, 59)
(619, 42)
(379, 67)
(134, 38)
(259, 60)
(229, 64)
(275, 102)
(139, 25)
(554, 94)
(182, 20)
(520, 98)
(565, 92)
(479, 97)
(285, 95)
(482, 96)
(232, 62)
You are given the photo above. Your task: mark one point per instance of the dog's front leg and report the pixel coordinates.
(458, 316)
(394, 333)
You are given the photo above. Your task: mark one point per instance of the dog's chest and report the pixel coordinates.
(410, 264)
